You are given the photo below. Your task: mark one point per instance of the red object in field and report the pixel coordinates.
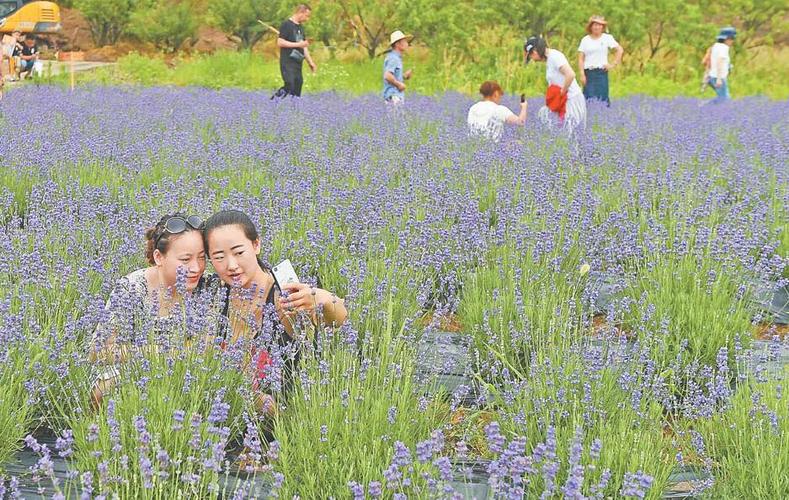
(262, 360)
(555, 100)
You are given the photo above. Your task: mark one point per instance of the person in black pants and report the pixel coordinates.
(293, 50)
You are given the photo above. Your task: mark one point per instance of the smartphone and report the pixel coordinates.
(523, 97)
(284, 273)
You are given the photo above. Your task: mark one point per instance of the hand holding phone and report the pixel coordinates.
(284, 273)
(523, 98)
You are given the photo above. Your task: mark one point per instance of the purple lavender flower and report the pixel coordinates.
(357, 490)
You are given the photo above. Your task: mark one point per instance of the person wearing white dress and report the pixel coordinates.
(558, 73)
(593, 59)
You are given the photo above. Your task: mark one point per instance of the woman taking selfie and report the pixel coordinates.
(256, 306)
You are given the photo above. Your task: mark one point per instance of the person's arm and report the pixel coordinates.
(617, 57)
(303, 297)
(520, 118)
(706, 60)
(310, 62)
(569, 76)
(389, 77)
(720, 65)
(581, 59)
(285, 44)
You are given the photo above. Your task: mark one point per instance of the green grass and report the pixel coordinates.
(765, 76)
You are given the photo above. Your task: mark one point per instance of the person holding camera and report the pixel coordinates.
(487, 117)
(293, 51)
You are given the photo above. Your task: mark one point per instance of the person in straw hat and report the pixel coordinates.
(394, 77)
(593, 59)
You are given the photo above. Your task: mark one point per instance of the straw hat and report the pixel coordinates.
(397, 36)
(595, 19)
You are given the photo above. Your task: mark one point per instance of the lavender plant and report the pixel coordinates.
(18, 400)
(746, 443)
(401, 214)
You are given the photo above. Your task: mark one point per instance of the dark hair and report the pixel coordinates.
(489, 88)
(230, 218)
(156, 238)
(536, 44)
(302, 7)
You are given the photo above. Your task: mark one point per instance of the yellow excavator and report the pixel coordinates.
(29, 16)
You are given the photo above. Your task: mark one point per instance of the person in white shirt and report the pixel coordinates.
(487, 117)
(593, 59)
(559, 75)
(720, 63)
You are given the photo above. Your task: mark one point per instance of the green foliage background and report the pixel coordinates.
(458, 44)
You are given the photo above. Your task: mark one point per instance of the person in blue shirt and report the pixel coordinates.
(394, 77)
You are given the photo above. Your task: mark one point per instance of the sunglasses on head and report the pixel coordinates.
(178, 224)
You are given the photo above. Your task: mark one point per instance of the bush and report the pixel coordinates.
(108, 19)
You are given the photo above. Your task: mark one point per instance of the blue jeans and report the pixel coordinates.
(26, 65)
(722, 92)
(596, 85)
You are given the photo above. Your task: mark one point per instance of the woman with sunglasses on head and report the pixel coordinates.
(255, 304)
(144, 301)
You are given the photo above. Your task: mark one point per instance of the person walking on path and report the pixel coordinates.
(293, 51)
(565, 102)
(394, 77)
(487, 117)
(593, 59)
(720, 64)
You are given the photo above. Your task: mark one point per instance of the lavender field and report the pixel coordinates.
(539, 318)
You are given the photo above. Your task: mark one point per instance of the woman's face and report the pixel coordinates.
(596, 29)
(233, 255)
(535, 56)
(187, 250)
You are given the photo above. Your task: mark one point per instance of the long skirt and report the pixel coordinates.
(574, 117)
(597, 85)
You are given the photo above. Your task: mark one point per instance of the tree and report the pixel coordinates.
(371, 22)
(758, 21)
(165, 23)
(108, 19)
(240, 18)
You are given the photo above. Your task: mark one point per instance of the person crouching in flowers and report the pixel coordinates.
(487, 117)
(256, 308)
(565, 102)
(142, 305)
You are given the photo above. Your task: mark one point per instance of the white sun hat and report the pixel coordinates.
(397, 36)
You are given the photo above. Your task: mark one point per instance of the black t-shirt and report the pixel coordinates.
(17, 50)
(291, 32)
(29, 51)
